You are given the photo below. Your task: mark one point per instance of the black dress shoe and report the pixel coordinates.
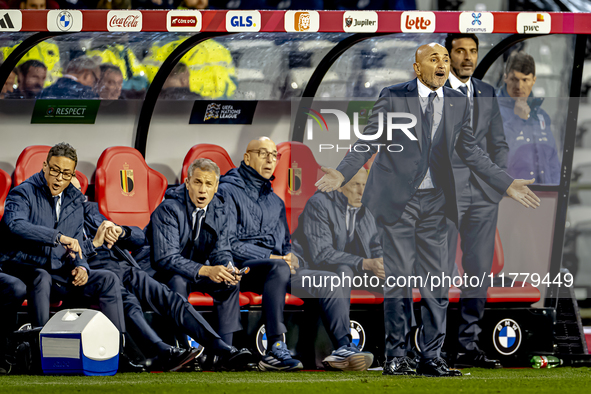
(436, 367)
(477, 359)
(192, 366)
(398, 366)
(234, 360)
(174, 358)
(126, 365)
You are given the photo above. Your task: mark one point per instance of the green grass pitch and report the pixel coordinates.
(519, 381)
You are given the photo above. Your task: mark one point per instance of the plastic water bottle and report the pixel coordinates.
(545, 362)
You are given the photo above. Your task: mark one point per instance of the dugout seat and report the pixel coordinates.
(30, 162)
(257, 299)
(295, 176)
(5, 183)
(207, 151)
(203, 299)
(126, 189)
(521, 292)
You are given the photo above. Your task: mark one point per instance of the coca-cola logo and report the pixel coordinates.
(122, 20)
(183, 21)
(128, 21)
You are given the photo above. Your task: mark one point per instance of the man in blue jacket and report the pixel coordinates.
(41, 232)
(107, 246)
(189, 246)
(337, 233)
(78, 82)
(260, 239)
(532, 147)
(12, 294)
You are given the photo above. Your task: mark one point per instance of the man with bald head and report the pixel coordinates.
(411, 191)
(259, 239)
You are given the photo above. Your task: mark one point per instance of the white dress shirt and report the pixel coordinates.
(424, 92)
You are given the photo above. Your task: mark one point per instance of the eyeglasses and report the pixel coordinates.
(56, 173)
(263, 154)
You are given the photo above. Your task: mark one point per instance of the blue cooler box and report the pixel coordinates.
(79, 341)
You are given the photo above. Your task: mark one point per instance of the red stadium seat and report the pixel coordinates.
(203, 299)
(295, 176)
(521, 292)
(126, 189)
(5, 183)
(30, 162)
(257, 299)
(207, 151)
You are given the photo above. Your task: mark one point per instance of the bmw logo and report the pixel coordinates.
(357, 334)
(196, 345)
(507, 337)
(64, 20)
(262, 340)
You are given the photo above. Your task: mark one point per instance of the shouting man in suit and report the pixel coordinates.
(478, 203)
(410, 193)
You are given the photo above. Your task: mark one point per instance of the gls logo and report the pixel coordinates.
(344, 124)
(417, 22)
(238, 21)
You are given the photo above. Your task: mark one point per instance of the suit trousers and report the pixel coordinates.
(154, 295)
(334, 305)
(226, 300)
(271, 278)
(478, 223)
(416, 245)
(12, 294)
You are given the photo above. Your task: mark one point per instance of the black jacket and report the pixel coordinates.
(29, 230)
(256, 215)
(321, 236)
(390, 184)
(489, 135)
(170, 229)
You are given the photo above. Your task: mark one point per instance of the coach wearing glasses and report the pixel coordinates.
(40, 235)
(260, 239)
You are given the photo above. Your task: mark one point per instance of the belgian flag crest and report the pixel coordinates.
(126, 176)
(295, 179)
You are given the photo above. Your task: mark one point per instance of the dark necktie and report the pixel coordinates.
(55, 202)
(427, 120)
(464, 89)
(197, 224)
(351, 230)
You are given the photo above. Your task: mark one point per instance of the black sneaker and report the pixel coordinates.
(234, 360)
(174, 358)
(398, 366)
(477, 359)
(436, 367)
(127, 365)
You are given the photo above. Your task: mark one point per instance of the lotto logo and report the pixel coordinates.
(417, 22)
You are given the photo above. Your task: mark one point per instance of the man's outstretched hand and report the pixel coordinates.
(521, 193)
(332, 180)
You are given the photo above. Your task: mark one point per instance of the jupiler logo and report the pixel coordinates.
(394, 121)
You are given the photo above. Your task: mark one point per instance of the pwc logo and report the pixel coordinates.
(417, 22)
(188, 20)
(239, 21)
(534, 23)
(301, 21)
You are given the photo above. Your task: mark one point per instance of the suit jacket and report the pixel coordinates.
(321, 236)
(489, 135)
(390, 183)
(169, 234)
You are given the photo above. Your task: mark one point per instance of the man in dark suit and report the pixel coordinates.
(410, 193)
(12, 294)
(478, 203)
